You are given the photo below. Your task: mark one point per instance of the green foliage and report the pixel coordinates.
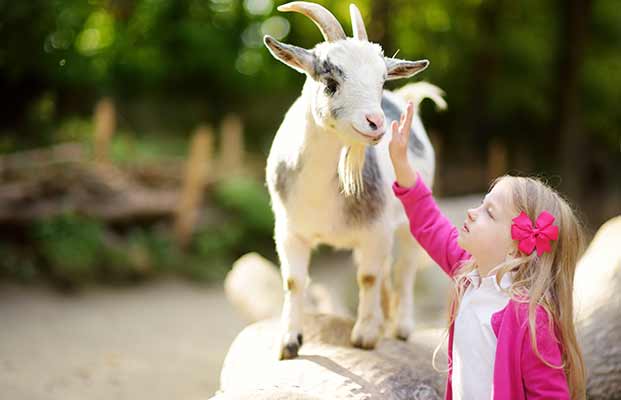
(70, 245)
(128, 148)
(249, 224)
(250, 200)
(17, 264)
(59, 57)
(74, 250)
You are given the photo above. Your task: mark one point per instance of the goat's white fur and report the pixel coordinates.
(311, 212)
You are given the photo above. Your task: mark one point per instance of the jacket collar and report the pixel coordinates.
(476, 280)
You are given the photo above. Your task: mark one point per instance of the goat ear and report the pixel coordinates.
(398, 69)
(296, 57)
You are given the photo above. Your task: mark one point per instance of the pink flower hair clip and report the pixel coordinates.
(538, 236)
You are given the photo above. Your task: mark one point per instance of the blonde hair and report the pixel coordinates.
(545, 281)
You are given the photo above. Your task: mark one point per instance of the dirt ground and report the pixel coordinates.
(161, 340)
(165, 340)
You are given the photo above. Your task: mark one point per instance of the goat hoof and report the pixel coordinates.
(289, 349)
(402, 337)
(366, 335)
(404, 329)
(362, 344)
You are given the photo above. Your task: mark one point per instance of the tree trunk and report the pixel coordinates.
(572, 40)
(379, 24)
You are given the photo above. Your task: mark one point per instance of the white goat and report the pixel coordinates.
(329, 174)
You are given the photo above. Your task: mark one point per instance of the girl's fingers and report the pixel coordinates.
(409, 112)
(394, 128)
(397, 138)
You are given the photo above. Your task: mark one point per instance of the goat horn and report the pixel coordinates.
(324, 19)
(357, 23)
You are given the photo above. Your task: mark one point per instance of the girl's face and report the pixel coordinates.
(486, 233)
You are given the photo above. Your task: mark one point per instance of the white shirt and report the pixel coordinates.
(474, 341)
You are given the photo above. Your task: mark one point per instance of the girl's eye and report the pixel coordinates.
(490, 214)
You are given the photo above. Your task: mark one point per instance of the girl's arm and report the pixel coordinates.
(540, 380)
(427, 223)
(430, 227)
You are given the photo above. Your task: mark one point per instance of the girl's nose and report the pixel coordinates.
(470, 214)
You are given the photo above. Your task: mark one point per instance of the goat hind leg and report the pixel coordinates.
(369, 323)
(405, 276)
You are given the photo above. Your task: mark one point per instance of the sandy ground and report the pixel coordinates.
(164, 340)
(160, 340)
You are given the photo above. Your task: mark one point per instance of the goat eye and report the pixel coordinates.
(331, 86)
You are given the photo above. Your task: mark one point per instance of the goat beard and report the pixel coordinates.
(350, 167)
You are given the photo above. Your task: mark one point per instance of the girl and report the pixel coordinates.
(511, 331)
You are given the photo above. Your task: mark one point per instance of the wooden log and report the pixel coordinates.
(97, 190)
(32, 162)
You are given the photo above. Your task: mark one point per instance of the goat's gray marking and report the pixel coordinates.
(366, 207)
(327, 67)
(336, 111)
(393, 113)
(285, 176)
(329, 74)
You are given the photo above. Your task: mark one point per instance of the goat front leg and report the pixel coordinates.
(370, 259)
(294, 256)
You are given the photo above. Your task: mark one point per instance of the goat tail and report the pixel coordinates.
(418, 91)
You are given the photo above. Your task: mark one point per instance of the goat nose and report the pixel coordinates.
(376, 121)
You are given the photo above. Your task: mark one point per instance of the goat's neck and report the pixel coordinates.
(325, 155)
(321, 147)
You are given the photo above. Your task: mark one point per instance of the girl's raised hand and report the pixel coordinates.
(398, 148)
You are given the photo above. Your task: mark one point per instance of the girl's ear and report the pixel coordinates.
(514, 252)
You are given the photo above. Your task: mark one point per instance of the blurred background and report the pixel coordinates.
(133, 138)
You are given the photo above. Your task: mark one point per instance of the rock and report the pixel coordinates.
(327, 366)
(597, 291)
(254, 287)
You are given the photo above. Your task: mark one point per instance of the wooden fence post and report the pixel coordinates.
(196, 171)
(105, 125)
(496, 160)
(231, 159)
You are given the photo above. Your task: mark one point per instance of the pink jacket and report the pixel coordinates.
(518, 372)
